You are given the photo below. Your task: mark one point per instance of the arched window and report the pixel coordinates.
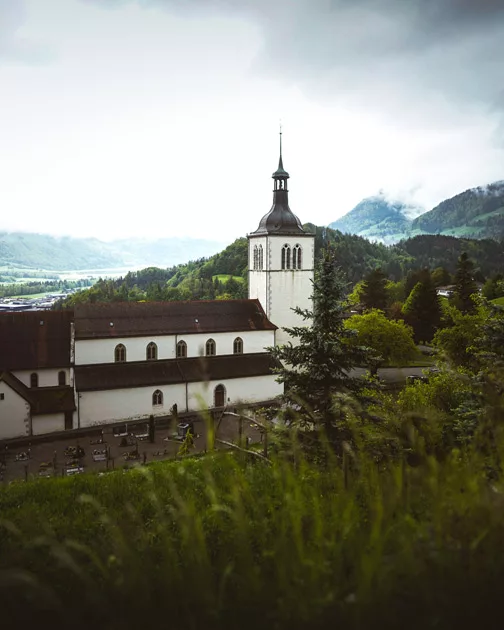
(238, 346)
(210, 348)
(260, 261)
(286, 257)
(181, 350)
(34, 380)
(256, 257)
(120, 353)
(151, 351)
(219, 396)
(157, 397)
(296, 256)
(61, 378)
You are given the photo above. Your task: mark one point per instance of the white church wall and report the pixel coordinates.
(109, 406)
(47, 377)
(135, 403)
(94, 351)
(48, 423)
(88, 351)
(14, 413)
(250, 389)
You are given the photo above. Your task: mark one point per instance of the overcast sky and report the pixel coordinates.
(160, 117)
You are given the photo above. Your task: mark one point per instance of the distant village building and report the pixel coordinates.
(108, 363)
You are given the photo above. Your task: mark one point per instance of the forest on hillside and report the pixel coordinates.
(224, 275)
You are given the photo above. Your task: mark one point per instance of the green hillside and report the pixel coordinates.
(225, 274)
(476, 213)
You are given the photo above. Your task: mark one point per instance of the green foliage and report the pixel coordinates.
(441, 277)
(432, 251)
(374, 290)
(465, 286)
(36, 287)
(391, 341)
(457, 338)
(319, 364)
(422, 309)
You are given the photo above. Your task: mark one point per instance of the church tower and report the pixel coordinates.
(281, 260)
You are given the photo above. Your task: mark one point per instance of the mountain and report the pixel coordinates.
(378, 219)
(41, 251)
(475, 213)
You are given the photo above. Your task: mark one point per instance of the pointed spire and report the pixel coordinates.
(280, 172)
(280, 162)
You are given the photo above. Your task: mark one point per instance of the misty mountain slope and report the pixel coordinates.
(377, 218)
(477, 212)
(41, 251)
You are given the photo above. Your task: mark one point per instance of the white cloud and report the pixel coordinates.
(164, 122)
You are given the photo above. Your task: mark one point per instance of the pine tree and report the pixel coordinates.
(374, 290)
(321, 362)
(422, 309)
(465, 285)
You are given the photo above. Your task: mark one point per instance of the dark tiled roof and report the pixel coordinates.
(42, 399)
(280, 219)
(137, 319)
(15, 384)
(142, 373)
(52, 400)
(35, 339)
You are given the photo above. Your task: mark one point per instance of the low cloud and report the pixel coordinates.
(14, 47)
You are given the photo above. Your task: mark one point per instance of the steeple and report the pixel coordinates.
(280, 219)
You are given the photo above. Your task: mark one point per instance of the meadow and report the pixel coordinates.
(230, 541)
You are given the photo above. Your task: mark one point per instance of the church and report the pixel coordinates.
(117, 362)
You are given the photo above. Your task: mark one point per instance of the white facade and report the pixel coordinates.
(47, 377)
(48, 423)
(281, 290)
(115, 405)
(14, 413)
(96, 351)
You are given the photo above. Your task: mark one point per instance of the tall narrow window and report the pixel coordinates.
(34, 380)
(256, 257)
(151, 351)
(296, 257)
(157, 397)
(210, 348)
(120, 353)
(260, 258)
(286, 256)
(238, 346)
(61, 378)
(181, 350)
(219, 396)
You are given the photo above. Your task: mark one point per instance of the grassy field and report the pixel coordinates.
(224, 542)
(498, 301)
(225, 277)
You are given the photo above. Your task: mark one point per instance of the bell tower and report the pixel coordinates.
(281, 260)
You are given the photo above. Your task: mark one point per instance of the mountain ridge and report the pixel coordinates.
(474, 213)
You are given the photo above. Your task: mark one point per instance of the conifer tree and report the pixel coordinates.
(422, 309)
(374, 290)
(320, 363)
(465, 285)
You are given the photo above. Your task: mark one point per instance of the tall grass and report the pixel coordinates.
(224, 542)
